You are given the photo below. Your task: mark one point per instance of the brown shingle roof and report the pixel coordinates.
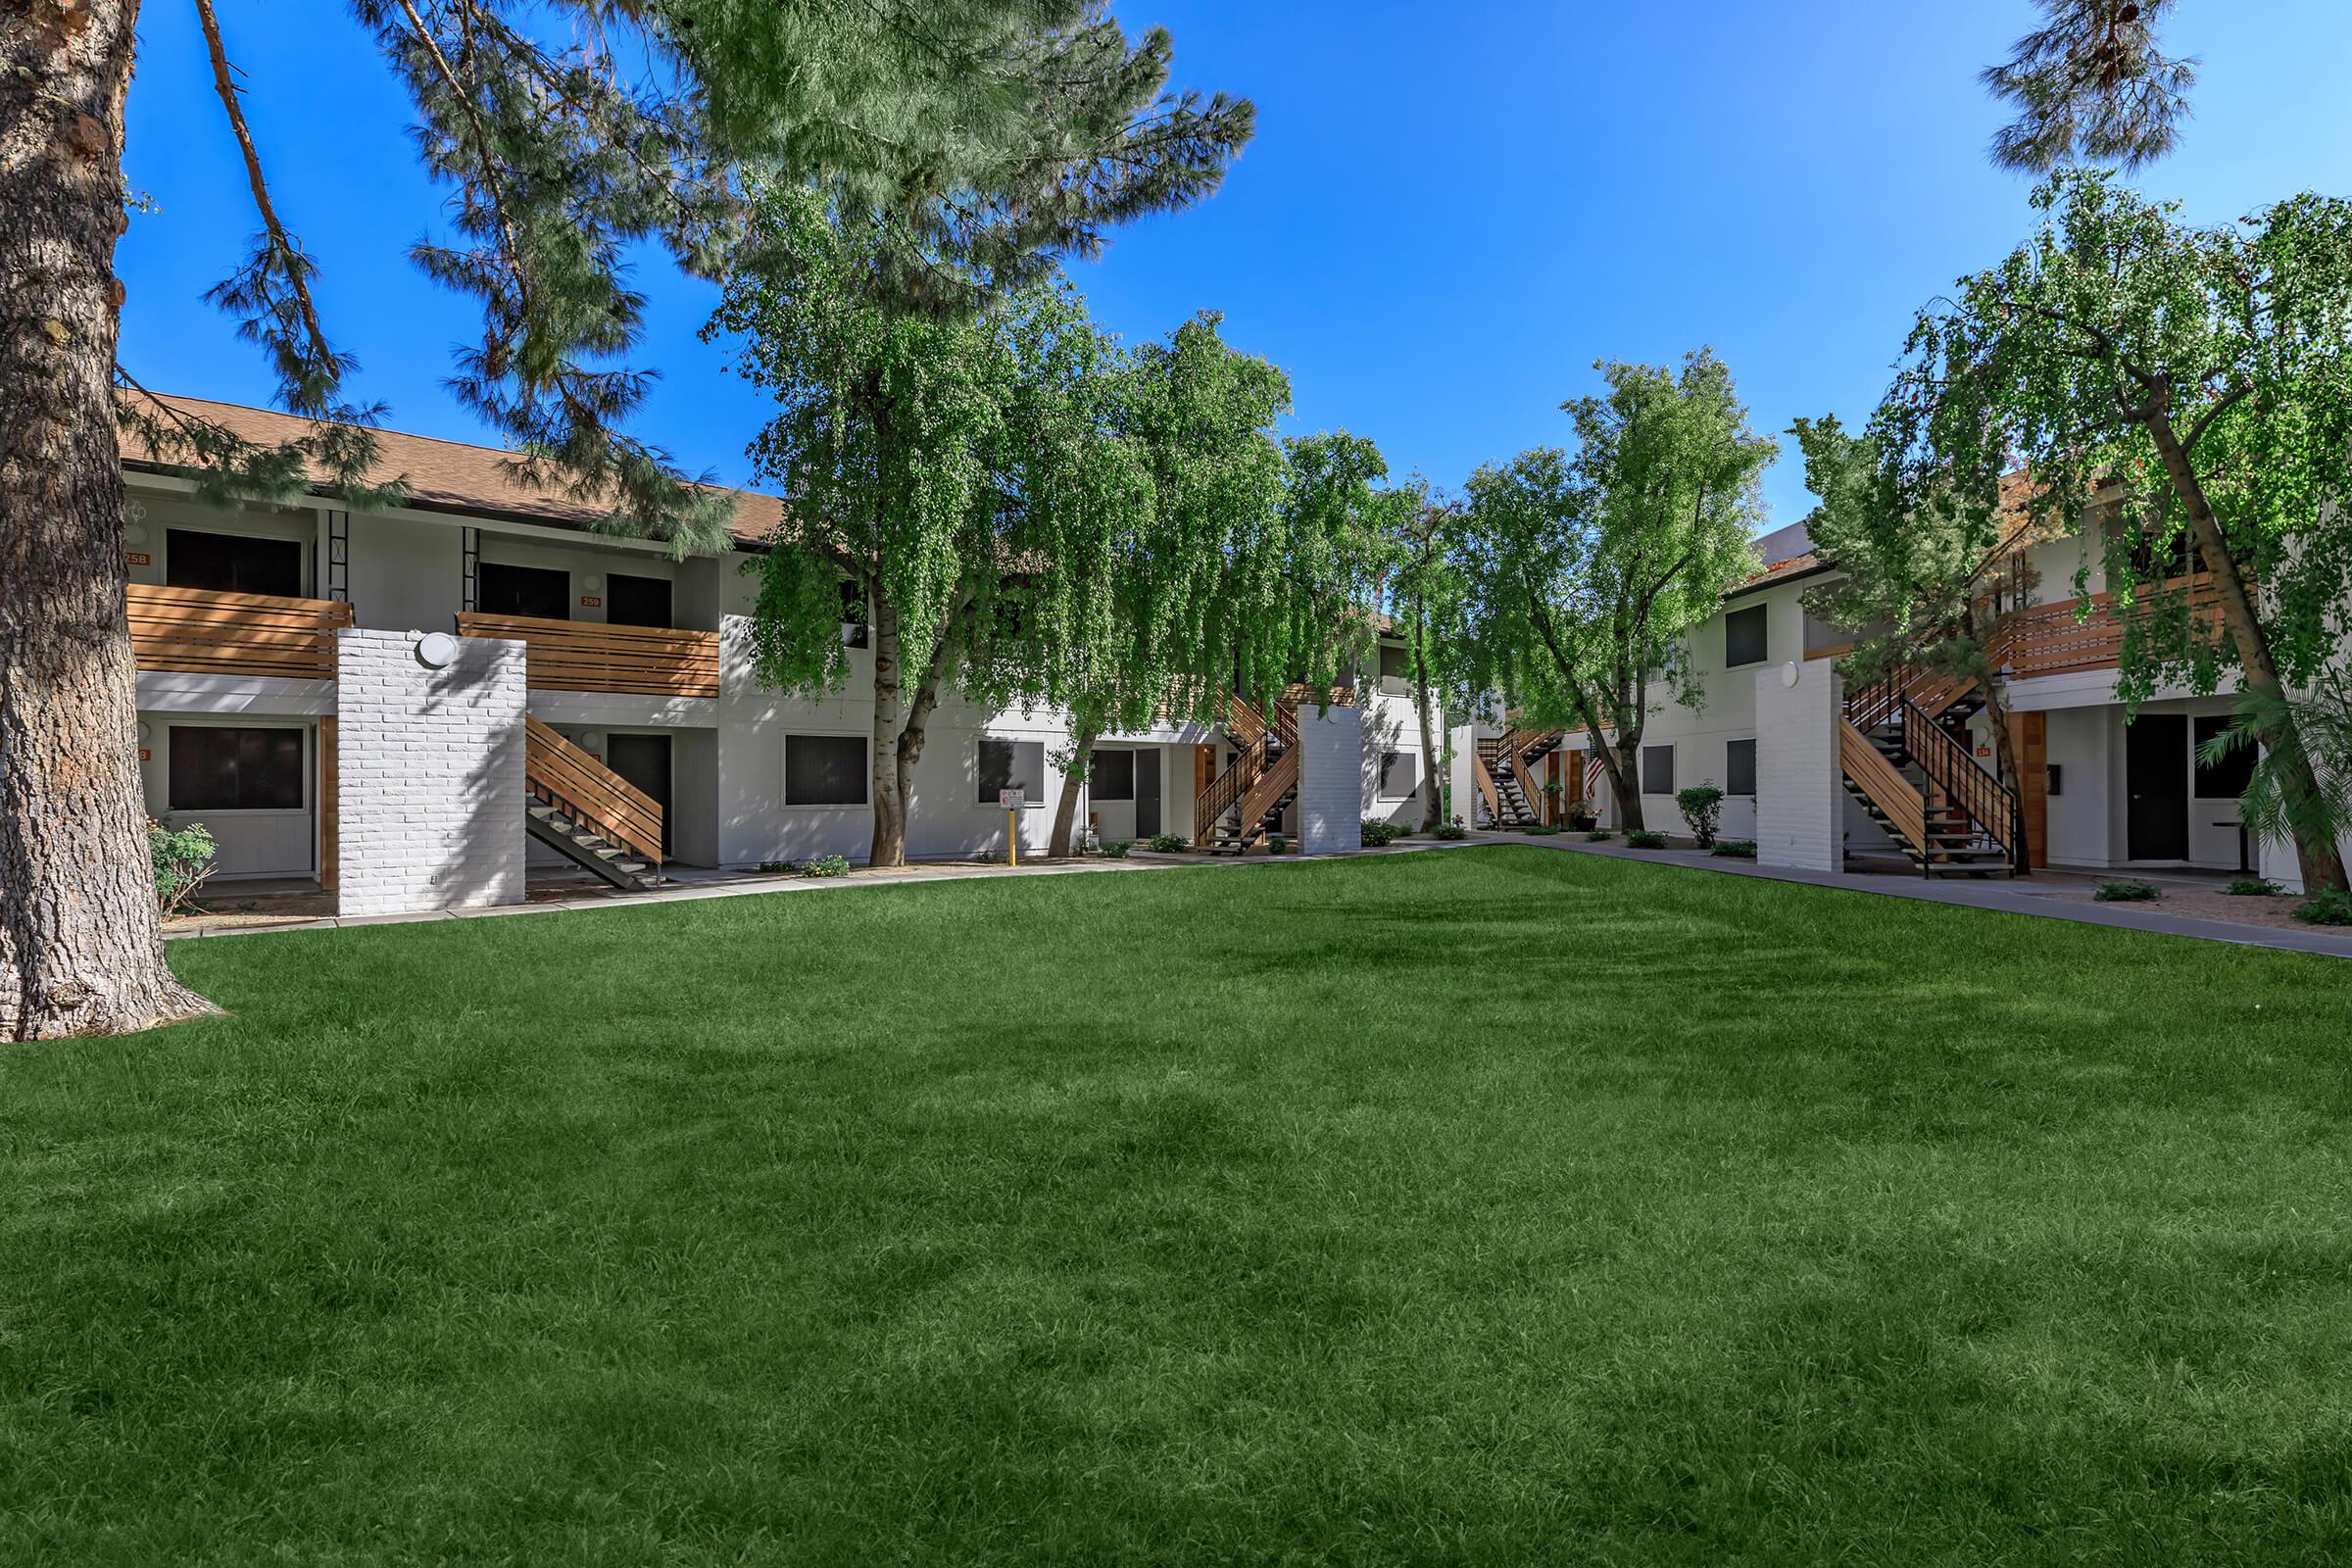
(2015, 492)
(442, 475)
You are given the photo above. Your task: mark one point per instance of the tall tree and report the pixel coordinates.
(2190, 389)
(1426, 603)
(1009, 129)
(1582, 574)
(2090, 83)
(1172, 594)
(1927, 566)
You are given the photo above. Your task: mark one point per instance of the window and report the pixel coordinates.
(1016, 765)
(1739, 767)
(1743, 637)
(542, 592)
(1396, 669)
(219, 767)
(1400, 772)
(2226, 779)
(1657, 770)
(824, 770)
(1114, 776)
(636, 601)
(853, 614)
(232, 562)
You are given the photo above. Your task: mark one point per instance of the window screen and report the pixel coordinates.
(1395, 668)
(543, 592)
(2226, 779)
(1657, 770)
(1739, 767)
(824, 770)
(1014, 766)
(217, 767)
(232, 564)
(1743, 637)
(1400, 771)
(636, 601)
(1114, 776)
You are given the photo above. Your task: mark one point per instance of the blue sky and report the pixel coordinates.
(1441, 224)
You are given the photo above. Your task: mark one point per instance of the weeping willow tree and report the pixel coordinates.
(1003, 132)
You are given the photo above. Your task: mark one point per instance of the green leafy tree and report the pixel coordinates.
(2090, 84)
(1926, 567)
(1584, 574)
(1004, 132)
(1427, 599)
(2190, 390)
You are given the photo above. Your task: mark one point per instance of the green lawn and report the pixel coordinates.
(1484, 1205)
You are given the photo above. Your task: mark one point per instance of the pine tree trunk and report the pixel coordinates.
(80, 948)
(2321, 862)
(889, 845)
(1065, 810)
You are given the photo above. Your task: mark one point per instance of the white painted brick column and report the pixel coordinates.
(429, 773)
(1800, 801)
(1331, 779)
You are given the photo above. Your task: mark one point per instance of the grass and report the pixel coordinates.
(1476, 1207)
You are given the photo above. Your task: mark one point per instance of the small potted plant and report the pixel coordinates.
(1581, 815)
(1552, 789)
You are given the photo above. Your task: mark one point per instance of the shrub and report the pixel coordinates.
(1115, 848)
(1377, 833)
(1598, 835)
(1702, 807)
(1276, 844)
(1541, 830)
(777, 865)
(2328, 906)
(181, 862)
(1736, 849)
(2126, 893)
(1643, 837)
(2253, 887)
(1169, 844)
(1452, 830)
(827, 865)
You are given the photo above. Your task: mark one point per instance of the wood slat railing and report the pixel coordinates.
(574, 782)
(576, 656)
(1888, 789)
(207, 632)
(1960, 781)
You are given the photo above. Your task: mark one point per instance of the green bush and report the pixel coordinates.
(1541, 830)
(1276, 844)
(777, 865)
(1598, 835)
(2330, 907)
(1643, 837)
(1702, 807)
(1452, 830)
(2126, 893)
(1115, 848)
(827, 865)
(1376, 833)
(181, 862)
(1169, 844)
(1736, 849)
(2253, 887)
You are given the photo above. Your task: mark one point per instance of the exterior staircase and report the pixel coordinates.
(1244, 803)
(1903, 758)
(592, 817)
(1505, 769)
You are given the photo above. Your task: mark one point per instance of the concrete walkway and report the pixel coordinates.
(2034, 896)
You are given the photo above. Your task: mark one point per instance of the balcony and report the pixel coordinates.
(205, 632)
(575, 655)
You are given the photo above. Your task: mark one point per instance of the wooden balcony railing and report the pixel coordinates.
(584, 789)
(577, 655)
(201, 632)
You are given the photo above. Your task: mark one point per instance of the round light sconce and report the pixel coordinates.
(592, 584)
(435, 650)
(593, 741)
(1788, 673)
(146, 733)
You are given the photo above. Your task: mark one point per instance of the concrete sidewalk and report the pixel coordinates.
(2024, 896)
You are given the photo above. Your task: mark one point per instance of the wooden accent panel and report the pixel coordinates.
(330, 832)
(200, 632)
(1486, 786)
(1888, 789)
(575, 655)
(2030, 743)
(1270, 786)
(564, 775)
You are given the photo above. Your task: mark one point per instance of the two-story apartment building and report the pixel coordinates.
(414, 705)
(1815, 773)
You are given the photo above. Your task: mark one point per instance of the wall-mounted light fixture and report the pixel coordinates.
(1788, 673)
(436, 650)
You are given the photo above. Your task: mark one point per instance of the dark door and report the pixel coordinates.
(644, 761)
(1147, 793)
(637, 601)
(540, 591)
(2156, 777)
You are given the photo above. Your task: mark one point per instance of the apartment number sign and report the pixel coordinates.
(137, 557)
(592, 602)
